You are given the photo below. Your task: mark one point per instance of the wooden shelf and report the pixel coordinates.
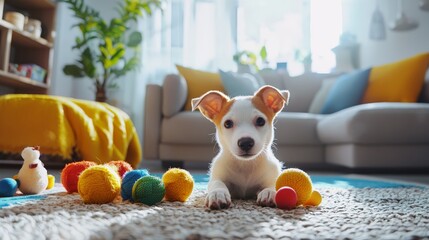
(25, 39)
(15, 81)
(20, 47)
(24, 4)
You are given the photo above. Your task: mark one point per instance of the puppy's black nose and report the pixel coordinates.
(246, 143)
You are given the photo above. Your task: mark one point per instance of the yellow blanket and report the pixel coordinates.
(64, 126)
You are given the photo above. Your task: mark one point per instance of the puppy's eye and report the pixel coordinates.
(260, 122)
(228, 124)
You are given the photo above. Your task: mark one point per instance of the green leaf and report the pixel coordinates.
(73, 70)
(263, 53)
(116, 57)
(135, 39)
(88, 63)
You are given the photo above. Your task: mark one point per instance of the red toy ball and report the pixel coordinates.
(121, 166)
(71, 172)
(286, 198)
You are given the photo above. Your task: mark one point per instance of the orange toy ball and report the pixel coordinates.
(121, 166)
(70, 174)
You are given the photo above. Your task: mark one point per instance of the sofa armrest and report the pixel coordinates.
(152, 122)
(375, 123)
(174, 94)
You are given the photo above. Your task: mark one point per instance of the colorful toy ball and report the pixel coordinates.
(128, 182)
(314, 200)
(51, 181)
(99, 184)
(8, 187)
(178, 183)
(148, 190)
(286, 198)
(299, 181)
(122, 167)
(71, 172)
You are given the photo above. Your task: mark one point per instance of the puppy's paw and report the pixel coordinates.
(218, 199)
(266, 198)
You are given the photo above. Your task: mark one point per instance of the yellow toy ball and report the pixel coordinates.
(178, 184)
(51, 182)
(99, 184)
(314, 200)
(299, 181)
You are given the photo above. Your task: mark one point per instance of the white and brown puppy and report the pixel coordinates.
(245, 167)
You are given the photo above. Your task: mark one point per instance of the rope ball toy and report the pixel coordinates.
(315, 199)
(70, 174)
(179, 184)
(99, 184)
(148, 190)
(300, 182)
(122, 166)
(128, 182)
(8, 187)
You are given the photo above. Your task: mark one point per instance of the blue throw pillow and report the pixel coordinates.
(239, 84)
(347, 91)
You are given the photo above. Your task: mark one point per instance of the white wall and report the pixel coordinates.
(398, 45)
(63, 54)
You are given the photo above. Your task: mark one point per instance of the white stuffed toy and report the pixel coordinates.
(33, 177)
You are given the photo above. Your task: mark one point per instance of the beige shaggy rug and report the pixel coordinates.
(380, 213)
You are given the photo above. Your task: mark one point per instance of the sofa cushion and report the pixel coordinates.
(272, 78)
(321, 95)
(397, 82)
(199, 82)
(302, 91)
(187, 128)
(346, 92)
(292, 128)
(174, 94)
(239, 84)
(377, 123)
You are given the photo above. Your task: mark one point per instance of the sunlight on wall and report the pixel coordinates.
(291, 30)
(326, 28)
(205, 38)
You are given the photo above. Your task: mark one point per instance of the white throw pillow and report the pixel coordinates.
(321, 95)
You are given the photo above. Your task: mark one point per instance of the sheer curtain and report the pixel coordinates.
(193, 33)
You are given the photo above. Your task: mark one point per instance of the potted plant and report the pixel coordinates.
(108, 49)
(247, 61)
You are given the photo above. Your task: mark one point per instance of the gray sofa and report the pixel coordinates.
(376, 135)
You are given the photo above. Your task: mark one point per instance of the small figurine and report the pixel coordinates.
(33, 177)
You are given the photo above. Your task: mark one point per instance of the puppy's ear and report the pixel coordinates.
(273, 98)
(210, 104)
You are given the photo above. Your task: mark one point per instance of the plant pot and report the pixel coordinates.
(100, 95)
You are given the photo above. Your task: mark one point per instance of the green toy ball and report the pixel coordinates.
(149, 190)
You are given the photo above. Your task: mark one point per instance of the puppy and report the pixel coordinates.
(245, 166)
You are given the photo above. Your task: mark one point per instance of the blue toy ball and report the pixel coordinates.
(8, 187)
(128, 182)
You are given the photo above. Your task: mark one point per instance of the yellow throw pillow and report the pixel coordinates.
(397, 82)
(199, 82)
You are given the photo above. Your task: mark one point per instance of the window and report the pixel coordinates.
(206, 34)
(291, 30)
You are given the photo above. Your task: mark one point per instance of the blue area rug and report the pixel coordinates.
(201, 180)
(332, 181)
(10, 201)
